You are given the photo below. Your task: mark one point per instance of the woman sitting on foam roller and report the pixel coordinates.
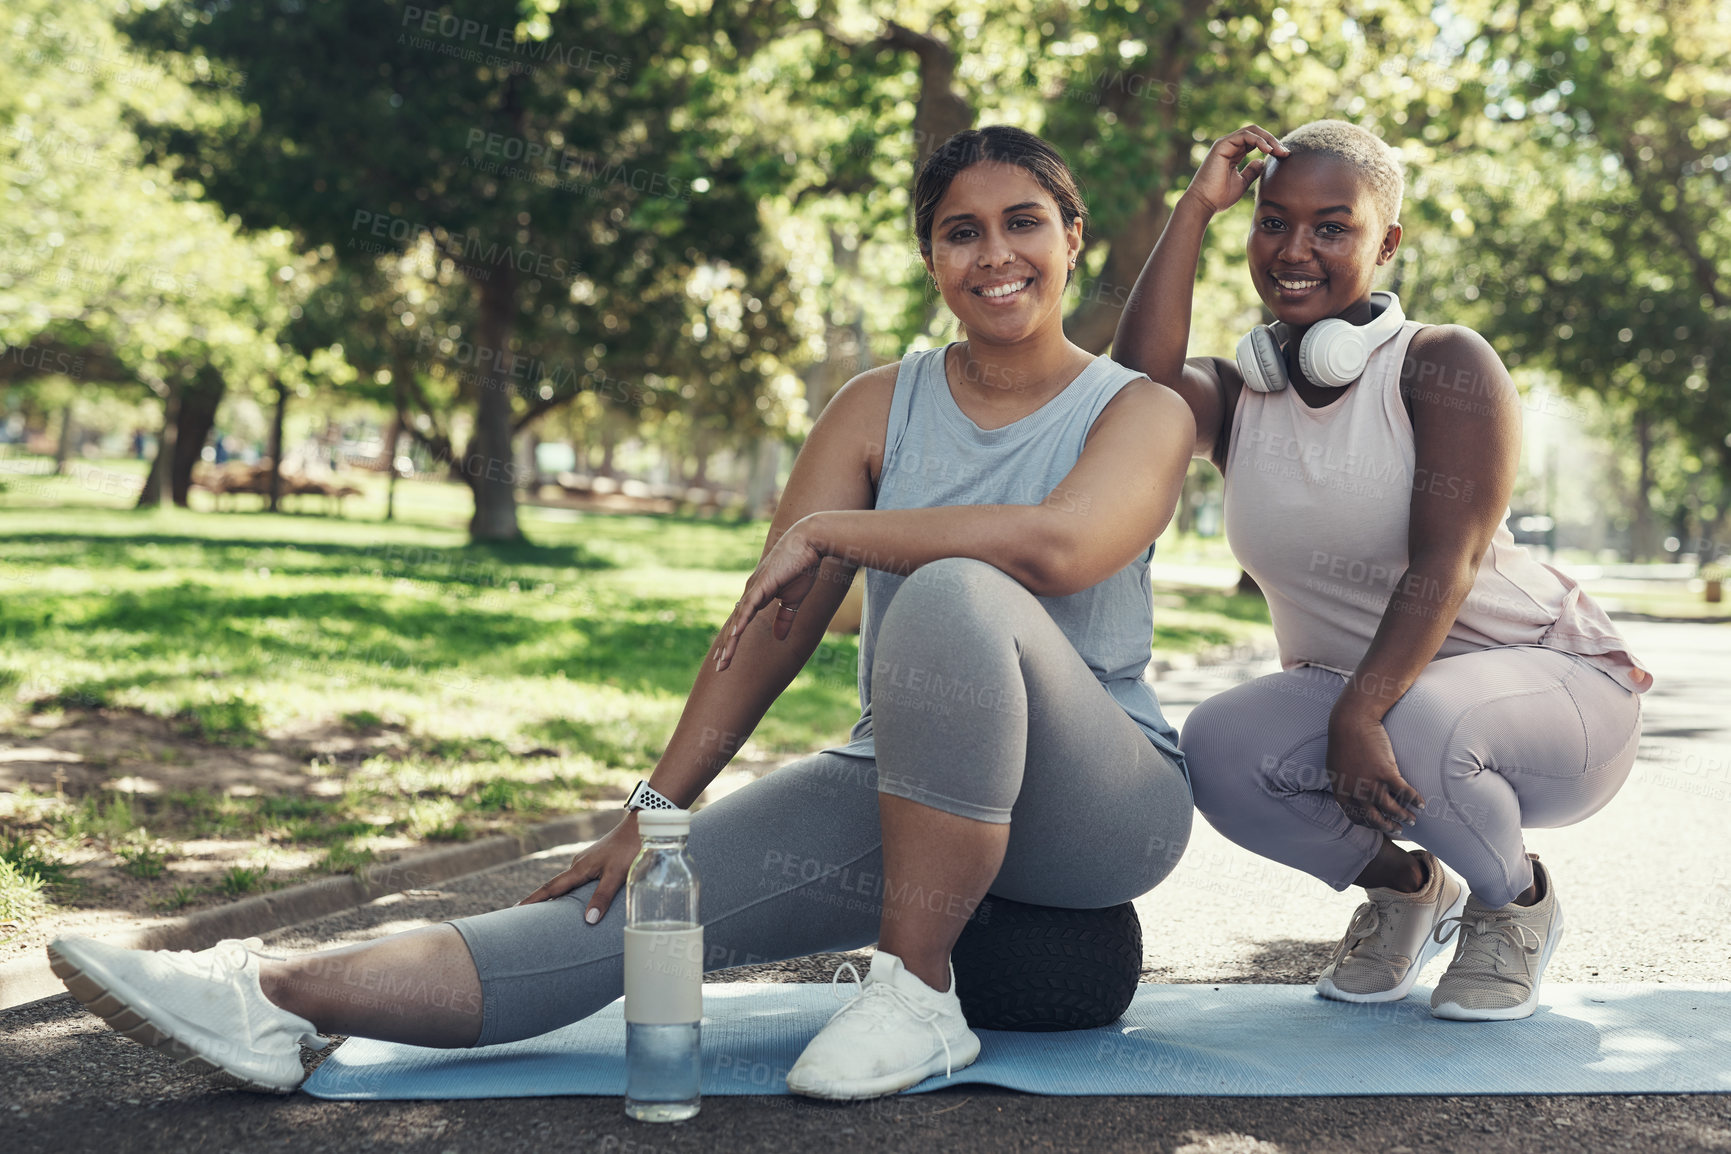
(1002, 492)
(1440, 684)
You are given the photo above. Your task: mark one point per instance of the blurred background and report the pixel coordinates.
(391, 396)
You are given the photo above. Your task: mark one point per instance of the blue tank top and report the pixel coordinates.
(935, 455)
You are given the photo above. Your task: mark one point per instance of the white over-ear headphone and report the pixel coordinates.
(1333, 352)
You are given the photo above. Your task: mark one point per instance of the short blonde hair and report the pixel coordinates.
(1364, 150)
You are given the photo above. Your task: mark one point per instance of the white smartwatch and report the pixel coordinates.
(645, 797)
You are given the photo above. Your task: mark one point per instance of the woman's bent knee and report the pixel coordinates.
(954, 584)
(1224, 760)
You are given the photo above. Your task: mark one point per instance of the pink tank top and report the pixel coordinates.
(1317, 507)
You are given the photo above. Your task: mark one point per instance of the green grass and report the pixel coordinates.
(28, 871)
(177, 898)
(20, 892)
(342, 859)
(1187, 620)
(237, 624)
(241, 880)
(515, 681)
(142, 860)
(102, 819)
(1671, 603)
(230, 720)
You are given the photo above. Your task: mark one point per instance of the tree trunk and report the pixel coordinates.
(489, 465)
(63, 448)
(940, 112)
(197, 417)
(276, 445)
(1094, 321)
(1641, 529)
(846, 351)
(158, 478)
(760, 494)
(392, 440)
(188, 417)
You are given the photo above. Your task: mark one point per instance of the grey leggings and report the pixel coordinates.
(792, 864)
(1495, 740)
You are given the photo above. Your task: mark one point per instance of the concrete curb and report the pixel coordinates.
(30, 979)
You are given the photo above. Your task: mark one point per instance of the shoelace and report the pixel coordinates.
(233, 951)
(885, 995)
(1485, 934)
(1365, 919)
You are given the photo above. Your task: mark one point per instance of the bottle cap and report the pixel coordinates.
(663, 822)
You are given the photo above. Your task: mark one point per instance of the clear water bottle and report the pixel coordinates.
(663, 973)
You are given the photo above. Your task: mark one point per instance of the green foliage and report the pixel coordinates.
(86, 695)
(345, 859)
(227, 721)
(500, 794)
(240, 880)
(20, 892)
(176, 899)
(1587, 233)
(106, 820)
(687, 211)
(581, 173)
(27, 871)
(28, 857)
(437, 819)
(143, 858)
(109, 264)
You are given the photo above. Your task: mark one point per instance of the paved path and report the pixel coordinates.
(1646, 881)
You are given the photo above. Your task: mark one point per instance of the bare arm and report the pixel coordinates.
(1210, 386)
(1467, 431)
(837, 469)
(1117, 498)
(1154, 330)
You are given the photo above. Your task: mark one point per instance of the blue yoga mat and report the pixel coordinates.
(1232, 1041)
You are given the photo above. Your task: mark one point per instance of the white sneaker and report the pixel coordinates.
(204, 1008)
(894, 1033)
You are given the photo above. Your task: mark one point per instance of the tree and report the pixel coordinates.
(1596, 229)
(110, 264)
(573, 162)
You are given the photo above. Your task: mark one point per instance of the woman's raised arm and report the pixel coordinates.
(1154, 330)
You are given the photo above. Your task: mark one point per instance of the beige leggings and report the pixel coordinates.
(1496, 740)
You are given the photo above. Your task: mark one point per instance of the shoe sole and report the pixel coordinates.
(134, 1021)
(1325, 986)
(1455, 1012)
(835, 1091)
